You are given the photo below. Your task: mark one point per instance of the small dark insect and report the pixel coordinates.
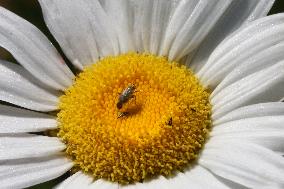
(126, 95)
(122, 114)
(170, 122)
(192, 109)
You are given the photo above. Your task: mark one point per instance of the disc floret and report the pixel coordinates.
(164, 128)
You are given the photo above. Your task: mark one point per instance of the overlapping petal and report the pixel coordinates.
(243, 162)
(267, 131)
(191, 178)
(242, 45)
(82, 180)
(189, 25)
(18, 146)
(77, 180)
(252, 111)
(239, 13)
(82, 28)
(21, 173)
(33, 50)
(171, 28)
(266, 85)
(150, 20)
(20, 88)
(254, 63)
(17, 120)
(121, 12)
(247, 42)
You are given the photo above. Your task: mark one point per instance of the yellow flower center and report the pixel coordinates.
(133, 116)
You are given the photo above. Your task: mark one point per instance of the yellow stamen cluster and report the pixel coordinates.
(163, 129)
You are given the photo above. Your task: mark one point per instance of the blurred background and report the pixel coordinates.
(30, 10)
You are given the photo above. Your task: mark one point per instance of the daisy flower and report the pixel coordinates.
(162, 94)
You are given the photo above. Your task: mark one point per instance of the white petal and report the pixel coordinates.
(251, 124)
(204, 178)
(159, 182)
(257, 36)
(28, 172)
(242, 162)
(81, 180)
(255, 110)
(150, 19)
(194, 178)
(244, 11)
(266, 85)
(191, 178)
(231, 184)
(78, 180)
(82, 28)
(28, 145)
(150, 28)
(161, 12)
(188, 27)
(121, 13)
(272, 140)
(19, 88)
(16, 120)
(179, 181)
(267, 131)
(33, 50)
(254, 63)
(102, 184)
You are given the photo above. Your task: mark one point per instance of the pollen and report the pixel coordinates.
(158, 130)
